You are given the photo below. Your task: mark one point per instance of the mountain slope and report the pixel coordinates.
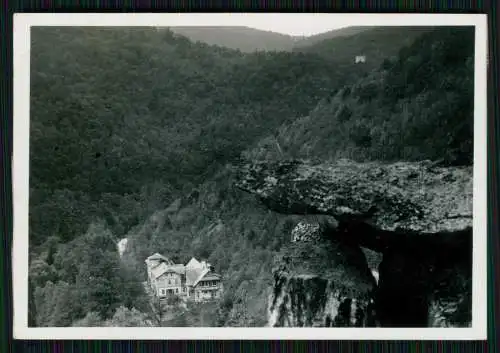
(124, 119)
(304, 42)
(417, 106)
(244, 39)
(240, 237)
(139, 128)
(376, 43)
(339, 45)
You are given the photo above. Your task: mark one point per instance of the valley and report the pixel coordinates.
(138, 138)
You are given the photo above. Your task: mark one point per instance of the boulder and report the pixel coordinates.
(417, 197)
(417, 215)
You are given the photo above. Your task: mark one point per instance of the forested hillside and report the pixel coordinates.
(134, 133)
(417, 106)
(123, 118)
(308, 41)
(376, 43)
(248, 40)
(245, 39)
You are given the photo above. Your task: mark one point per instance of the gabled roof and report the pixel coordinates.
(211, 276)
(193, 270)
(178, 268)
(164, 268)
(155, 265)
(193, 263)
(157, 256)
(159, 270)
(193, 275)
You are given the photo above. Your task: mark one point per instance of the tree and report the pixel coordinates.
(57, 304)
(92, 319)
(157, 311)
(32, 315)
(41, 272)
(125, 317)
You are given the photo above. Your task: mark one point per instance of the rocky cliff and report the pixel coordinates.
(417, 215)
(319, 282)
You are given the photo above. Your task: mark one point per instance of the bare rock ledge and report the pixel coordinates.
(417, 215)
(416, 197)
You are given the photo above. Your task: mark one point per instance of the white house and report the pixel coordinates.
(359, 59)
(195, 281)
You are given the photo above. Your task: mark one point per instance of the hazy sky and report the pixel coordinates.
(297, 24)
(291, 24)
(304, 25)
(301, 30)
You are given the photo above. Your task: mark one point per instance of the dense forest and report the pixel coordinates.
(136, 133)
(245, 39)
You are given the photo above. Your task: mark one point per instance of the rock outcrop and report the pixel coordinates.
(418, 197)
(312, 288)
(313, 228)
(417, 215)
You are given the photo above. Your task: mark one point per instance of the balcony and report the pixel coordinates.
(205, 285)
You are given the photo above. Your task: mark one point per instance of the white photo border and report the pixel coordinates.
(20, 176)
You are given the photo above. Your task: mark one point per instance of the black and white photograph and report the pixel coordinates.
(305, 176)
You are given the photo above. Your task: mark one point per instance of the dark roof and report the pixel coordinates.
(210, 276)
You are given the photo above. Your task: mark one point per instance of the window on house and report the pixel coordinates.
(169, 282)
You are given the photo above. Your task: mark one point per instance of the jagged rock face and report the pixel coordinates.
(321, 285)
(315, 302)
(418, 197)
(417, 215)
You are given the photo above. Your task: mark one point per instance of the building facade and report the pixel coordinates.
(359, 59)
(195, 281)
